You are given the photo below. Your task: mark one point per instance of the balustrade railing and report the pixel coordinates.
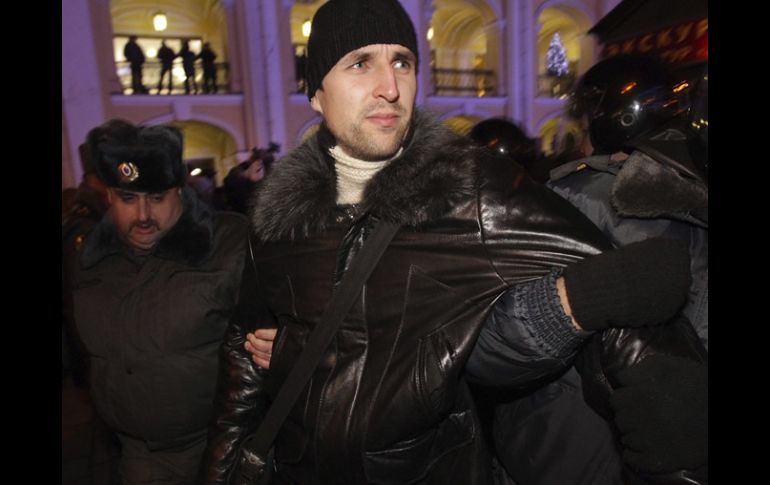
(151, 76)
(463, 82)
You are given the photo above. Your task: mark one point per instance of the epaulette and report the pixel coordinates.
(597, 162)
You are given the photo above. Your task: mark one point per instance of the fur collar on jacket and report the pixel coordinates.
(660, 178)
(645, 188)
(434, 173)
(190, 240)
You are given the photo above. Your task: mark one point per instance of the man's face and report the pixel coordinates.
(367, 100)
(142, 219)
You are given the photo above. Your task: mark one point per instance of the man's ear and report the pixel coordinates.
(109, 195)
(315, 104)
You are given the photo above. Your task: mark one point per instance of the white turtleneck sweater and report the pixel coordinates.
(353, 174)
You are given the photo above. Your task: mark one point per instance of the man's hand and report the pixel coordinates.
(260, 345)
(661, 411)
(642, 283)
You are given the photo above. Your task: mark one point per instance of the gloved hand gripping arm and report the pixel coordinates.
(643, 283)
(536, 327)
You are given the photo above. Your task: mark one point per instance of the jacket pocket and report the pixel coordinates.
(411, 460)
(442, 352)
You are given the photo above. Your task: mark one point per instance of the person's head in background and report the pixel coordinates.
(91, 179)
(362, 74)
(143, 170)
(624, 97)
(505, 138)
(260, 162)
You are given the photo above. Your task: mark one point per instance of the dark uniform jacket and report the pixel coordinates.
(656, 192)
(552, 436)
(152, 325)
(388, 403)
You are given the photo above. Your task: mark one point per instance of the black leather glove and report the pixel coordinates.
(642, 283)
(661, 411)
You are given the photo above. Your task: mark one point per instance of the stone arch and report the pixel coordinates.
(469, 40)
(576, 5)
(208, 137)
(230, 129)
(571, 19)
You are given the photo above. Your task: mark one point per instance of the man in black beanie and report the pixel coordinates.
(155, 282)
(389, 402)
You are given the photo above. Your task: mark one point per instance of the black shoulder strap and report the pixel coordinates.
(345, 295)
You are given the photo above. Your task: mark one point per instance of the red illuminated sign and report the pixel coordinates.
(680, 44)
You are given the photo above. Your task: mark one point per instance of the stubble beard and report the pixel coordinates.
(366, 142)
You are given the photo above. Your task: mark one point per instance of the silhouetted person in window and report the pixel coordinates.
(134, 55)
(207, 56)
(166, 56)
(188, 63)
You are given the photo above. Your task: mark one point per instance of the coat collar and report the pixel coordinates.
(435, 171)
(190, 241)
(660, 178)
(647, 189)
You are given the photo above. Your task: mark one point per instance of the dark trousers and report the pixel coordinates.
(136, 79)
(209, 79)
(163, 71)
(190, 76)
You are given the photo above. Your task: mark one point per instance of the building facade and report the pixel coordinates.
(479, 58)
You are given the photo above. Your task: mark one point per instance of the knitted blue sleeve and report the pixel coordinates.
(526, 337)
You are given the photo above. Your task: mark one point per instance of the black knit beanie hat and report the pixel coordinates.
(342, 26)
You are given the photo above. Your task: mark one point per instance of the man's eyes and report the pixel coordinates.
(402, 64)
(398, 64)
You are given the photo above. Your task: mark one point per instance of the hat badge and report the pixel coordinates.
(128, 172)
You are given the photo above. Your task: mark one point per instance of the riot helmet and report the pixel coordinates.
(624, 97)
(505, 138)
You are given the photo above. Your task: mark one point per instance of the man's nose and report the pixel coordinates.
(142, 209)
(387, 86)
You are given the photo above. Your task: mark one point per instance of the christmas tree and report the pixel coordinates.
(556, 58)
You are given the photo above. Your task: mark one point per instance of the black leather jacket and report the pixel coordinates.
(389, 402)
